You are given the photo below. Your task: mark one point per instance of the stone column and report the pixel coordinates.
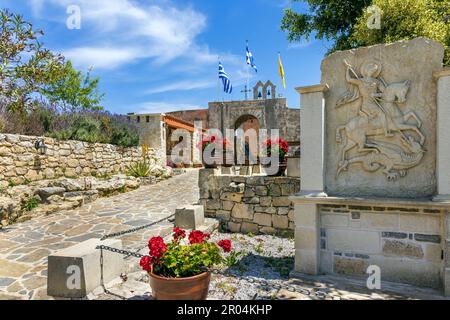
(447, 256)
(443, 135)
(307, 219)
(312, 137)
(307, 235)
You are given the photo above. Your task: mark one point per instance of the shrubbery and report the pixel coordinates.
(88, 126)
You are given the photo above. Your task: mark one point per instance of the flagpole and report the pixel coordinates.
(218, 81)
(248, 79)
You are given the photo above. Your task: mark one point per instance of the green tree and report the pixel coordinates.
(74, 91)
(25, 66)
(328, 19)
(406, 19)
(345, 22)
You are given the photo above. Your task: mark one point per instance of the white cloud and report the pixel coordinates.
(132, 31)
(182, 86)
(101, 58)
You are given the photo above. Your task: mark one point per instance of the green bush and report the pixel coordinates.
(30, 204)
(140, 169)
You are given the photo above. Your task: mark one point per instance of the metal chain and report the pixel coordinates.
(121, 233)
(120, 251)
(264, 283)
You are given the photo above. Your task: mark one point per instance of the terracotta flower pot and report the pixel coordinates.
(193, 288)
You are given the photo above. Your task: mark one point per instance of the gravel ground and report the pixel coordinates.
(262, 257)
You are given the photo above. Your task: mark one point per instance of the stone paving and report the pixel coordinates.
(24, 247)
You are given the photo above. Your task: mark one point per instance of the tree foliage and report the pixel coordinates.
(30, 73)
(345, 22)
(74, 91)
(25, 66)
(327, 19)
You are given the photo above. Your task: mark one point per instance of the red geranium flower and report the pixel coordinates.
(157, 247)
(179, 234)
(146, 263)
(198, 237)
(225, 245)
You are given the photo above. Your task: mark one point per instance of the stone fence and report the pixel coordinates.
(20, 162)
(249, 204)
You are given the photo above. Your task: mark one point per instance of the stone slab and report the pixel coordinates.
(190, 217)
(76, 271)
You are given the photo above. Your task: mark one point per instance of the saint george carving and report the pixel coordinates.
(381, 133)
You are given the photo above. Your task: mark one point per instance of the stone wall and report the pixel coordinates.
(249, 204)
(271, 114)
(405, 242)
(20, 163)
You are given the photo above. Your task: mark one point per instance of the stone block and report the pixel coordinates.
(280, 222)
(234, 227)
(242, 211)
(248, 227)
(263, 219)
(306, 215)
(334, 220)
(306, 239)
(261, 191)
(307, 261)
(420, 223)
(281, 202)
(213, 204)
(223, 215)
(402, 249)
(293, 167)
(283, 211)
(76, 271)
(227, 205)
(268, 230)
(190, 217)
(265, 201)
(234, 197)
(349, 266)
(353, 240)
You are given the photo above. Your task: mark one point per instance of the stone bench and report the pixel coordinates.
(76, 271)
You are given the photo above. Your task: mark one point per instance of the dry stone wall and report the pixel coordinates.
(249, 204)
(21, 163)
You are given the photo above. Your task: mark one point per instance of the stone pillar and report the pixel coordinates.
(307, 235)
(443, 135)
(447, 256)
(312, 137)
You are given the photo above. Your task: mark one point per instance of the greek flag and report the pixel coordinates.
(227, 87)
(250, 60)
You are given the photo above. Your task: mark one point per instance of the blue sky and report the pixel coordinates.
(161, 55)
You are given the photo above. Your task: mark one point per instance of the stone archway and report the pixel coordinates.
(248, 122)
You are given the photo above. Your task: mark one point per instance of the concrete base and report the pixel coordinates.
(76, 271)
(190, 217)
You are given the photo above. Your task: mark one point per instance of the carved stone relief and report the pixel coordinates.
(386, 137)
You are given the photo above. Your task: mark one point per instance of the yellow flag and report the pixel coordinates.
(280, 65)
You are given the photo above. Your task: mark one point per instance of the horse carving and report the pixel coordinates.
(382, 133)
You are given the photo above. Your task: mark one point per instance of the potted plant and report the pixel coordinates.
(210, 156)
(273, 149)
(180, 270)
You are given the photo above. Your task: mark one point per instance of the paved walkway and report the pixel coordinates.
(24, 247)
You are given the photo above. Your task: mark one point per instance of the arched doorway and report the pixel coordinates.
(249, 145)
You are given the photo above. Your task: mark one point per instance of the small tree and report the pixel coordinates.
(74, 91)
(25, 66)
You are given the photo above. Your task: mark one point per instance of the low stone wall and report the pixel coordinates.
(249, 204)
(20, 163)
(406, 243)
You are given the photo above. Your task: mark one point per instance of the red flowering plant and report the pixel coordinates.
(186, 256)
(213, 140)
(280, 147)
